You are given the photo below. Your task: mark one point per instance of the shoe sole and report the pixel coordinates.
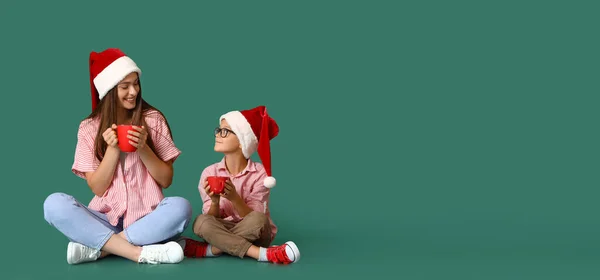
(295, 250)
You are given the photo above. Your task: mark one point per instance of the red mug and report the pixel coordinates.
(217, 184)
(122, 133)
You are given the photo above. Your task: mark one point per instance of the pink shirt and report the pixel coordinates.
(248, 184)
(133, 193)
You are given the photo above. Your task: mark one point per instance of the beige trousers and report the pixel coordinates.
(234, 238)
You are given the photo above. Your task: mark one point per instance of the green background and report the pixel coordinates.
(420, 139)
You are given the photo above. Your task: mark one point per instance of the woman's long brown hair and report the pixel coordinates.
(107, 111)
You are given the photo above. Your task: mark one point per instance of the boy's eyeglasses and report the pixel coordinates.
(223, 131)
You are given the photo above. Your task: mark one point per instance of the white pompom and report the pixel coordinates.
(269, 182)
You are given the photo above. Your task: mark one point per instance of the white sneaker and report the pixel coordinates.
(78, 253)
(170, 252)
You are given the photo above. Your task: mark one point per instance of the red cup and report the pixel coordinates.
(122, 134)
(217, 184)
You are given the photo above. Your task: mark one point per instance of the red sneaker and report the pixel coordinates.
(193, 248)
(283, 254)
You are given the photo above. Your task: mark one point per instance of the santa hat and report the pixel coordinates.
(255, 128)
(107, 69)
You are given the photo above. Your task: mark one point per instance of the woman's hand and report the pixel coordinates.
(138, 137)
(110, 136)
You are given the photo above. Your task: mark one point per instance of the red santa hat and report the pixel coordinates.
(255, 128)
(107, 69)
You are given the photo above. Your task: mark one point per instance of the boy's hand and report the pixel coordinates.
(229, 192)
(213, 197)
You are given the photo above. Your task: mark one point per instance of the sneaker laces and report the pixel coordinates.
(151, 255)
(278, 255)
(83, 253)
(90, 253)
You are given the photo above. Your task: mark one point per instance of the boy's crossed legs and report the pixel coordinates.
(250, 237)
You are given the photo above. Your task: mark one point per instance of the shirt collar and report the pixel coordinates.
(250, 167)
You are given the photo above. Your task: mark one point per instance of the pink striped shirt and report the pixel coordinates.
(133, 193)
(248, 184)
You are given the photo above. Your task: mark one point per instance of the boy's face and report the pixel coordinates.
(228, 143)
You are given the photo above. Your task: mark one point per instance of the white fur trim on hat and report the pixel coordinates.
(243, 130)
(113, 74)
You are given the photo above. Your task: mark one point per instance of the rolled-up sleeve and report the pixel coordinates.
(85, 159)
(206, 202)
(164, 145)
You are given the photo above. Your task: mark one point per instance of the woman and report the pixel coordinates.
(129, 215)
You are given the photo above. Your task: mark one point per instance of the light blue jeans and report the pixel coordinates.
(91, 228)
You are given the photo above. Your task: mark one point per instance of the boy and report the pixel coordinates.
(237, 220)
